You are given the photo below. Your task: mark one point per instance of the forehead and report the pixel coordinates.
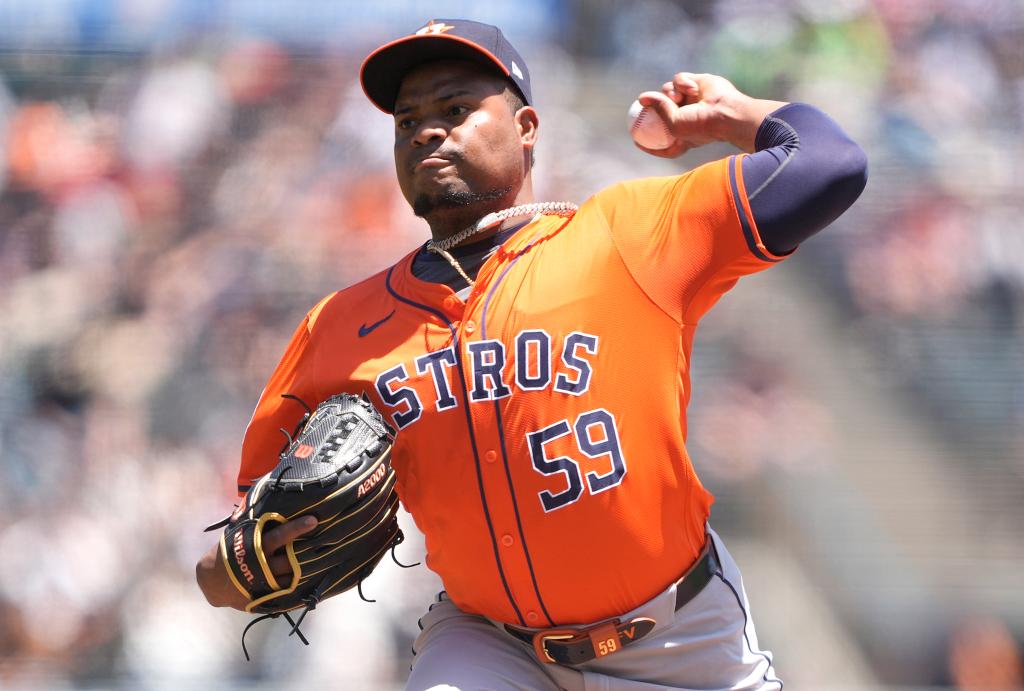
(429, 78)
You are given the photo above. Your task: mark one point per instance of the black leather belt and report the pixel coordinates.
(576, 645)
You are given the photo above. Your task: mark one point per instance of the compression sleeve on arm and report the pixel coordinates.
(805, 172)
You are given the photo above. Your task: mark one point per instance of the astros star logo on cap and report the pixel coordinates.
(432, 28)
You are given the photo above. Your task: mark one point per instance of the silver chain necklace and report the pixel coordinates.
(489, 221)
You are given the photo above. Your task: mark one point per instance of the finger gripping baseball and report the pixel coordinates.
(337, 468)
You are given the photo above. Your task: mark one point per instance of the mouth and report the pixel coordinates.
(431, 162)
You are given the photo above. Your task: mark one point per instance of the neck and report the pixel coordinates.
(490, 224)
(447, 222)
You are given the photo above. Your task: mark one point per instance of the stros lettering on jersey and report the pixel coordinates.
(543, 425)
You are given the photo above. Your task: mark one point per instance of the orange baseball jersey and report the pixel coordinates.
(542, 422)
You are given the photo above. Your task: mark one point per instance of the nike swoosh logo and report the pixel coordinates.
(365, 330)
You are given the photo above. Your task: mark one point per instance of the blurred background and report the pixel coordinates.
(180, 180)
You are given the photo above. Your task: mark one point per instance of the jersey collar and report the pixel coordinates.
(408, 285)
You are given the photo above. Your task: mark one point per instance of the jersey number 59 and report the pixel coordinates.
(596, 436)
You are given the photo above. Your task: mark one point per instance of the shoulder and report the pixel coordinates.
(649, 191)
(653, 200)
(348, 304)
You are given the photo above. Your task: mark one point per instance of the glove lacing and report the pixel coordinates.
(313, 599)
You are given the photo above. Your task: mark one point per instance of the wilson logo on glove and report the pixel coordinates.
(240, 558)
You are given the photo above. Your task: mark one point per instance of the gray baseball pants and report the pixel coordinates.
(709, 644)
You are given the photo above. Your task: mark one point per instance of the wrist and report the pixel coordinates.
(214, 583)
(738, 118)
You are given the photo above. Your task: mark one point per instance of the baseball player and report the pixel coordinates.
(534, 357)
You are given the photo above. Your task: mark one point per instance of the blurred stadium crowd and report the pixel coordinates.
(168, 214)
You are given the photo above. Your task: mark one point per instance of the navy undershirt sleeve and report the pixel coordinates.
(804, 173)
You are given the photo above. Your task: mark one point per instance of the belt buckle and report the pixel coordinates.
(545, 635)
(605, 637)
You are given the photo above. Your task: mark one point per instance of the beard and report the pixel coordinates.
(425, 204)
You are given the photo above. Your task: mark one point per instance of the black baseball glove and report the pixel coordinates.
(336, 468)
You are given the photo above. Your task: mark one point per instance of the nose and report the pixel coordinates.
(429, 132)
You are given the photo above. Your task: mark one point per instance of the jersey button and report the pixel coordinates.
(506, 540)
(491, 456)
(532, 617)
(470, 326)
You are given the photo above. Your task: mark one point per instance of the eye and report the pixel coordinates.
(456, 111)
(405, 123)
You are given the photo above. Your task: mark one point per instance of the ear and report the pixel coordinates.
(526, 125)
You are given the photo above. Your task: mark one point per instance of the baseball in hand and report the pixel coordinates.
(648, 130)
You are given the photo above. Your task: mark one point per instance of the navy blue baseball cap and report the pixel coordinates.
(441, 39)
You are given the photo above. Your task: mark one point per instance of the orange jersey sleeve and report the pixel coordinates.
(686, 239)
(294, 374)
